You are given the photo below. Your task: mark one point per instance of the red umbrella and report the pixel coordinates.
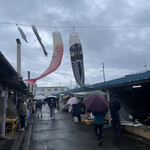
(96, 102)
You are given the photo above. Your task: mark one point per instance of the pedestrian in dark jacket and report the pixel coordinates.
(39, 108)
(98, 125)
(22, 110)
(52, 106)
(76, 112)
(114, 106)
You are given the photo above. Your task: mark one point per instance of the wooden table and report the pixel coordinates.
(11, 124)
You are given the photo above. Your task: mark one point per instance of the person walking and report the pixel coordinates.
(34, 102)
(114, 106)
(98, 125)
(39, 108)
(22, 112)
(76, 112)
(52, 106)
(29, 105)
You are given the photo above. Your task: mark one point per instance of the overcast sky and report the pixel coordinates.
(116, 32)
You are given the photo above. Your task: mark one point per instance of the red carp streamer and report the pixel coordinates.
(56, 58)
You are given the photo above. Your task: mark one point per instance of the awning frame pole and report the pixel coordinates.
(4, 113)
(109, 115)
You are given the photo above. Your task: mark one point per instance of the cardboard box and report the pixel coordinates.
(87, 121)
(84, 117)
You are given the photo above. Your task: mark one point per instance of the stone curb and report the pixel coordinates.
(26, 141)
(18, 142)
(23, 141)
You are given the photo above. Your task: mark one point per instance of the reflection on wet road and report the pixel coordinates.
(64, 134)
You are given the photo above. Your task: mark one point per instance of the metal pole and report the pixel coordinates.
(18, 56)
(109, 115)
(103, 71)
(4, 113)
(28, 78)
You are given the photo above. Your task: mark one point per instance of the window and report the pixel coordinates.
(42, 90)
(55, 89)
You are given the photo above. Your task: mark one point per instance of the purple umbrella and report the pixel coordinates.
(96, 102)
(73, 100)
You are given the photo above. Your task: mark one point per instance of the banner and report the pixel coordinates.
(56, 58)
(39, 39)
(76, 56)
(22, 33)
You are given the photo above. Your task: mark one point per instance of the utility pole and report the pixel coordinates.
(103, 71)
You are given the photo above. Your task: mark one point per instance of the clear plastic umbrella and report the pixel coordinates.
(73, 100)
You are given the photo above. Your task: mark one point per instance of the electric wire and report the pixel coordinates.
(83, 27)
(121, 60)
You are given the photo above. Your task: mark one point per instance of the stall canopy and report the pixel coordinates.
(133, 79)
(82, 94)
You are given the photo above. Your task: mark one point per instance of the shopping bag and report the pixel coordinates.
(56, 111)
(76, 119)
(70, 108)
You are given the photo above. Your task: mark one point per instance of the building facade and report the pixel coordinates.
(47, 91)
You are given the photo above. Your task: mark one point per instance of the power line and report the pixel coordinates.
(83, 27)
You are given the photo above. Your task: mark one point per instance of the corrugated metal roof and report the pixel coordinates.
(8, 75)
(128, 79)
(6, 69)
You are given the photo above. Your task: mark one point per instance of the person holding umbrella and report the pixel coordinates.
(51, 101)
(52, 106)
(98, 105)
(98, 125)
(76, 112)
(114, 106)
(74, 103)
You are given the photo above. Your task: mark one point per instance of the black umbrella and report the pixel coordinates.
(114, 105)
(48, 99)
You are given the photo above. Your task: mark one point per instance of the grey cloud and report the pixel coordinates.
(123, 50)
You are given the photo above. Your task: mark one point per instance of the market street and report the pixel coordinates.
(64, 134)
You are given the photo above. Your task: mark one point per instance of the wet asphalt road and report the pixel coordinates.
(64, 134)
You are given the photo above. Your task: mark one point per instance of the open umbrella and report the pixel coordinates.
(49, 98)
(73, 100)
(96, 102)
